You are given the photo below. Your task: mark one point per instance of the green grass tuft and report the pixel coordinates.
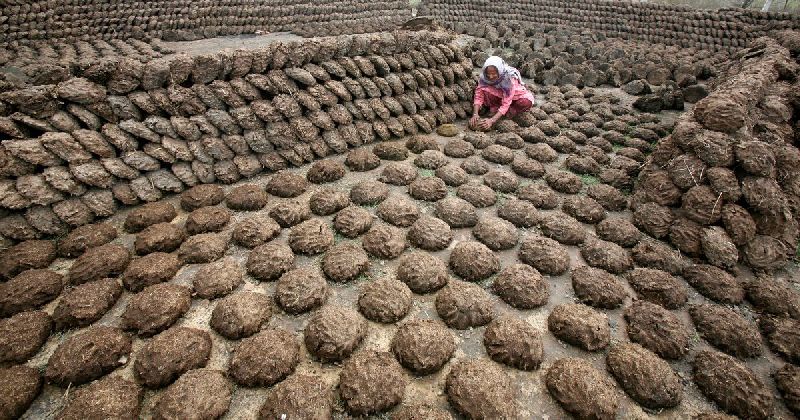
(589, 180)
(426, 172)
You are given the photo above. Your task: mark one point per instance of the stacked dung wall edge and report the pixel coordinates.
(726, 29)
(725, 185)
(29, 21)
(127, 132)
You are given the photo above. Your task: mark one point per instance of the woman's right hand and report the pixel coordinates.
(473, 122)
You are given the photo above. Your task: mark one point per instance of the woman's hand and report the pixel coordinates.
(473, 122)
(488, 123)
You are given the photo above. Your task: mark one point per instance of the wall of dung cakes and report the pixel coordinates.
(722, 29)
(130, 132)
(32, 20)
(725, 185)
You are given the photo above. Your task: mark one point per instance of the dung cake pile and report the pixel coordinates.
(125, 132)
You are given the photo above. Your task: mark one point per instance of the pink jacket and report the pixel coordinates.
(491, 95)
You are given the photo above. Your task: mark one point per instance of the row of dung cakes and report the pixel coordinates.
(725, 185)
(727, 29)
(181, 20)
(76, 150)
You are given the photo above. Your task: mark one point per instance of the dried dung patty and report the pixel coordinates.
(20, 386)
(496, 153)
(477, 388)
(619, 231)
(170, 354)
(501, 181)
(597, 287)
(398, 210)
(201, 196)
(204, 393)
(149, 214)
(647, 378)
(418, 144)
(473, 261)
(496, 233)
(541, 152)
(246, 198)
(88, 355)
(156, 308)
(411, 412)
(327, 201)
(255, 231)
(462, 305)
(108, 260)
(422, 272)
(521, 213)
(787, 380)
(456, 212)
(150, 269)
(301, 290)
(477, 194)
(521, 286)
(371, 382)
(474, 165)
(217, 279)
(207, 219)
(269, 261)
(352, 221)
(344, 262)
(726, 330)
(658, 287)
(110, 397)
(428, 188)
(459, 149)
(514, 342)
(391, 150)
(580, 325)
(76, 242)
(203, 248)
(240, 314)
(732, 385)
(369, 193)
(423, 346)
(160, 237)
(327, 170)
(384, 241)
(333, 333)
(83, 305)
(311, 237)
(299, 396)
(782, 336)
(563, 181)
(430, 233)
(384, 300)
(714, 283)
(581, 389)
(29, 290)
(544, 254)
(528, 168)
(362, 160)
(398, 173)
(657, 330)
(430, 159)
(22, 335)
(584, 209)
(288, 213)
(650, 253)
(265, 359)
(606, 255)
(540, 195)
(452, 175)
(286, 184)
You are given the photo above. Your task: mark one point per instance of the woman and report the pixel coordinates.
(500, 89)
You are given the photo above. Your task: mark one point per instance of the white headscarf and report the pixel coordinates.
(505, 72)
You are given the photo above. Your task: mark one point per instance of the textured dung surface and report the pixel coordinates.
(156, 308)
(22, 335)
(299, 396)
(87, 356)
(201, 393)
(644, 376)
(20, 387)
(384, 300)
(732, 385)
(423, 346)
(265, 358)
(580, 325)
(333, 333)
(478, 389)
(581, 389)
(168, 355)
(111, 396)
(514, 342)
(86, 303)
(371, 382)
